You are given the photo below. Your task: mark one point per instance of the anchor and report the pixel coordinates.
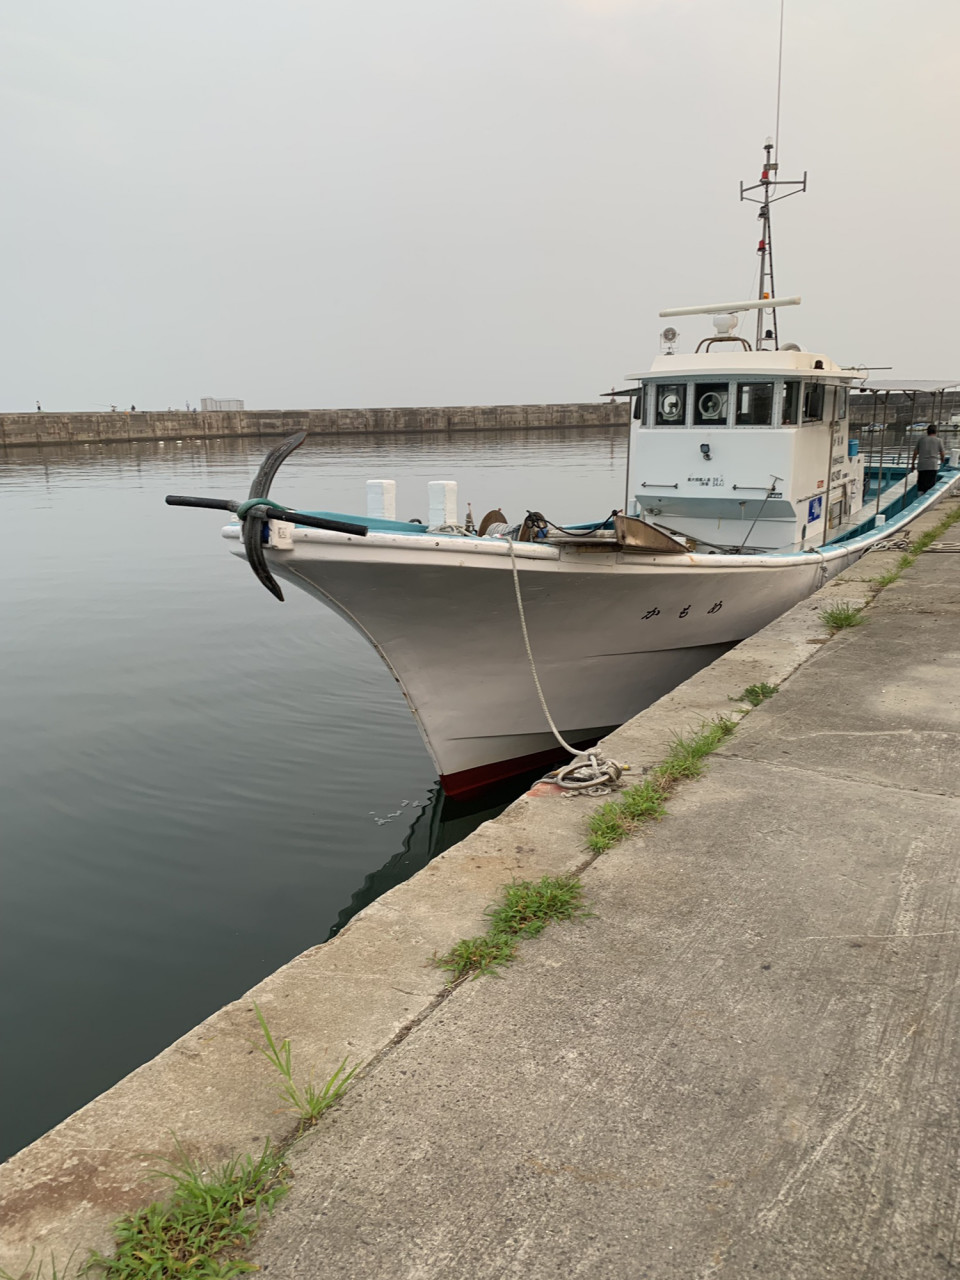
(258, 508)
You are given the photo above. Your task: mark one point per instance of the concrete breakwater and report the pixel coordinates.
(131, 425)
(96, 428)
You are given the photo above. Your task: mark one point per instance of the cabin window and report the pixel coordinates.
(813, 402)
(842, 396)
(710, 403)
(754, 404)
(638, 406)
(791, 403)
(671, 404)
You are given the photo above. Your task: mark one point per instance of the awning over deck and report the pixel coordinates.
(930, 386)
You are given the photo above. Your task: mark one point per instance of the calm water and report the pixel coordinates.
(196, 782)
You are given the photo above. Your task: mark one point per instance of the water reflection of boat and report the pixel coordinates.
(745, 492)
(441, 823)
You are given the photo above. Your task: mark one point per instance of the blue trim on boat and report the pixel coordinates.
(892, 505)
(379, 525)
(375, 523)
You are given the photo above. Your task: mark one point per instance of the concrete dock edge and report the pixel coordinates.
(355, 995)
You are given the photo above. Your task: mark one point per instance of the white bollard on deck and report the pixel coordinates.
(382, 499)
(955, 457)
(442, 496)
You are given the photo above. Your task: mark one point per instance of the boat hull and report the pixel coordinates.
(608, 640)
(610, 631)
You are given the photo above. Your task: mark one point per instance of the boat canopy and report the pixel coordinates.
(927, 385)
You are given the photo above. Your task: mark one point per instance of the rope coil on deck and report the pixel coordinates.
(590, 772)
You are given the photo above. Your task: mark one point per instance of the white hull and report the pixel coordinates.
(610, 631)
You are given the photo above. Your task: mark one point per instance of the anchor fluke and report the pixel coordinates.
(258, 508)
(253, 545)
(253, 523)
(272, 464)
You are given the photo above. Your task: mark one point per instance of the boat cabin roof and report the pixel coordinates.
(735, 362)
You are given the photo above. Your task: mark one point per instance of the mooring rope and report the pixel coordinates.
(590, 772)
(892, 544)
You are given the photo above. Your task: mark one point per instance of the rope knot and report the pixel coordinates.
(244, 509)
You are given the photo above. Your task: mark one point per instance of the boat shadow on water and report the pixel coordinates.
(441, 823)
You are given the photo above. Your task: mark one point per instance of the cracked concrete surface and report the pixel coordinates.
(672, 1088)
(745, 1064)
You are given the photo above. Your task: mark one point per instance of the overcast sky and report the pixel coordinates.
(368, 202)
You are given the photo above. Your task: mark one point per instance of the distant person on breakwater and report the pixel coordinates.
(928, 456)
(39, 410)
(133, 408)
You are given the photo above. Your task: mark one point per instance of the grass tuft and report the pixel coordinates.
(201, 1230)
(756, 693)
(839, 616)
(645, 802)
(483, 954)
(921, 544)
(609, 824)
(686, 756)
(528, 908)
(308, 1102)
(524, 911)
(38, 1272)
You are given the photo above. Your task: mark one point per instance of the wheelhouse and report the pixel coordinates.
(742, 449)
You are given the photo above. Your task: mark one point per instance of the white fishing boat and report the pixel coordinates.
(744, 493)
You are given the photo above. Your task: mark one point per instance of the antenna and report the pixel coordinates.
(776, 133)
(768, 180)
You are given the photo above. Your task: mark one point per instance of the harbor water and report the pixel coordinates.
(196, 782)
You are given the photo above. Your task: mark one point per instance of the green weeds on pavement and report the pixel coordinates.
(837, 617)
(612, 821)
(29, 1272)
(921, 544)
(756, 693)
(524, 911)
(309, 1102)
(202, 1229)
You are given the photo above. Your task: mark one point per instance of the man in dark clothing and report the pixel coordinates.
(928, 455)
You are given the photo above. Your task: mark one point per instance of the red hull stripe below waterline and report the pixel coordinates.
(485, 775)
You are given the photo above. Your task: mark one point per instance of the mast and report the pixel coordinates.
(768, 183)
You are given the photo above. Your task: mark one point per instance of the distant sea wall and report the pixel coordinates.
(88, 428)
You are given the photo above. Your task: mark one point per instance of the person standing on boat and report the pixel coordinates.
(928, 456)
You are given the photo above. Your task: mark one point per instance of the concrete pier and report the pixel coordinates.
(743, 1064)
(746, 1064)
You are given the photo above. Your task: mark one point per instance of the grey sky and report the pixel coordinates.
(367, 202)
